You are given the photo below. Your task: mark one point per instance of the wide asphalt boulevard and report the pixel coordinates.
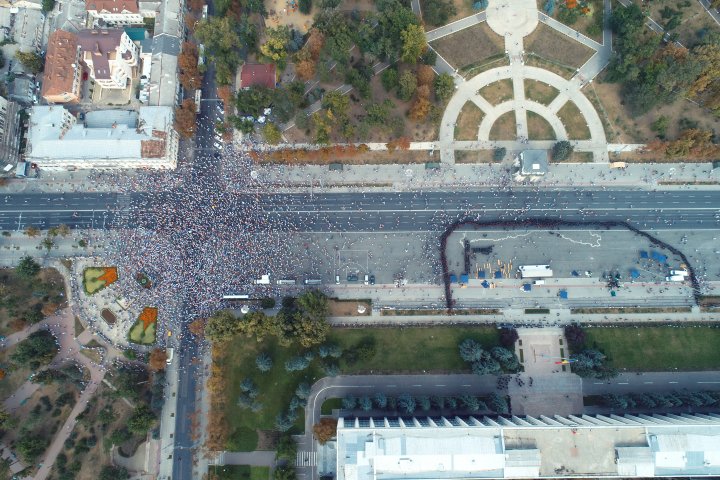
(405, 211)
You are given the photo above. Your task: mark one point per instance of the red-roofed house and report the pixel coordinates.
(257, 75)
(115, 12)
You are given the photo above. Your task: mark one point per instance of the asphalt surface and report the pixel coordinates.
(383, 211)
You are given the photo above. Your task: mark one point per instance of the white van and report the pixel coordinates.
(538, 282)
(367, 279)
(337, 279)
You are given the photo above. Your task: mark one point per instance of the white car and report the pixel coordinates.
(218, 145)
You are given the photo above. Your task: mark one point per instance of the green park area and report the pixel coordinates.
(240, 472)
(143, 330)
(658, 348)
(380, 350)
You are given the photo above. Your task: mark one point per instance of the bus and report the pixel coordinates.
(198, 97)
(286, 281)
(236, 297)
(313, 281)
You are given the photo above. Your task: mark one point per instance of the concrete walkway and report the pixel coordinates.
(257, 458)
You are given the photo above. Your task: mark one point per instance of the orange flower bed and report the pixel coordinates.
(110, 275)
(148, 316)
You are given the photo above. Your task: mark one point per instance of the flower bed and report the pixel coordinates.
(108, 316)
(97, 278)
(143, 330)
(143, 280)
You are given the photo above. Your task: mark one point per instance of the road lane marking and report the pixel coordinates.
(708, 382)
(672, 382)
(648, 383)
(465, 385)
(623, 383)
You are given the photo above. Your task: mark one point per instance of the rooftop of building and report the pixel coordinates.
(100, 44)
(534, 162)
(107, 134)
(112, 6)
(257, 75)
(60, 63)
(484, 447)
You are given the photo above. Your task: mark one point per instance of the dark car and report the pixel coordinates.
(372, 279)
(352, 277)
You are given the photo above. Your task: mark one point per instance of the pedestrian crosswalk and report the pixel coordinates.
(306, 459)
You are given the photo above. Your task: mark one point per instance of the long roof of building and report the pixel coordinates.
(60, 63)
(112, 6)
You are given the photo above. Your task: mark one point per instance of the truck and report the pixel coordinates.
(169, 353)
(535, 271)
(675, 278)
(683, 273)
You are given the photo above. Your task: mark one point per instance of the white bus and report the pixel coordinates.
(236, 297)
(286, 281)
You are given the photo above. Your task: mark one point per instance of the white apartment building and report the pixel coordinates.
(107, 139)
(110, 55)
(115, 12)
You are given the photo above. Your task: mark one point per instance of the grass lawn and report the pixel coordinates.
(398, 350)
(329, 405)
(241, 472)
(574, 122)
(485, 44)
(469, 156)
(504, 127)
(468, 122)
(498, 92)
(539, 128)
(90, 280)
(552, 45)
(540, 92)
(144, 337)
(658, 348)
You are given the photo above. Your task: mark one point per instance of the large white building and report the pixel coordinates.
(107, 139)
(471, 447)
(110, 55)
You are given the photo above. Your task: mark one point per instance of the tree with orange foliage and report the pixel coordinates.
(188, 64)
(419, 109)
(402, 143)
(197, 327)
(196, 5)
(425, 75)
(185, 118)
(158, 360)
(325, 430)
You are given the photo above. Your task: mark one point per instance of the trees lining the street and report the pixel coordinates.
(27, 268)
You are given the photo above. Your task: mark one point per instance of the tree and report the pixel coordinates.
(30, 446)
(498, 404)
(197, 327)
(380, 400)
(190, 77)
(27, 268)
(275, 46)
(222, 326)
(660, 125)
(31, 60)
(309, 326)
(470, 402)
(249, 387)
(4, 417)
(423, 402)
(425, 75)
(414, 43)
(296, 364)
(562, 151)
(575, 335)
(330, 350)
(48, 5)
(349, 402)
(305, 6)
(185, 118)
(157, 360)
(407, 84)
(499, 153)
(444, 87)
(406, 403)
(264, 362)
(325, 430)
(421, 106)
(111, 472)
(141, 420)
(32, 232)
(506, 358)
(470, 350)
(272, 133)
(286, 448)
(222, 44)
(390, 79)
(63, 230)
(438, 401)
(37, 349)
(437, 12)
(364, 403)
(486, 365)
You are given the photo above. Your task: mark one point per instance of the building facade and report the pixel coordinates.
(110, 55)
(115, 12)
(9, 131)
(471, 447)
(107, 139)
(61, 80)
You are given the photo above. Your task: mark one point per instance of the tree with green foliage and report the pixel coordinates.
(394, 17)
(222, 326)
(365, 403)
(296, 364)
(660, 126)
(562, 150)
(305, 6)
(380, 400)
(470, 403)
(414, 43)
(222, 44)
(437, 12)
(48, 5)
(120, 436)
(486, 365)
(444, 87)
(499, 153)
(276, 43)
(272, 133)
(338, 33)
(286, 448)
(390, 79)
(141, 420)
(506, 358)
(407, 84)
(575, 335)
(498, 403)
(284, 472)
(470, 350)
(111, 472)
(4, 417)
(32, 61)
(349, 402)
(406, 403)
(39, 348)
(30, 446)
(252, 101)
(27, 268)
(264, 362)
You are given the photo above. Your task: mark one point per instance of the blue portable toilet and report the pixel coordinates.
(575, 273)
(481, 273)
(464, 278)
(634, 273)
(485, 284)
(527, 287)
(643, 254)
(563, 294)
(498, 274)
(453, 278)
